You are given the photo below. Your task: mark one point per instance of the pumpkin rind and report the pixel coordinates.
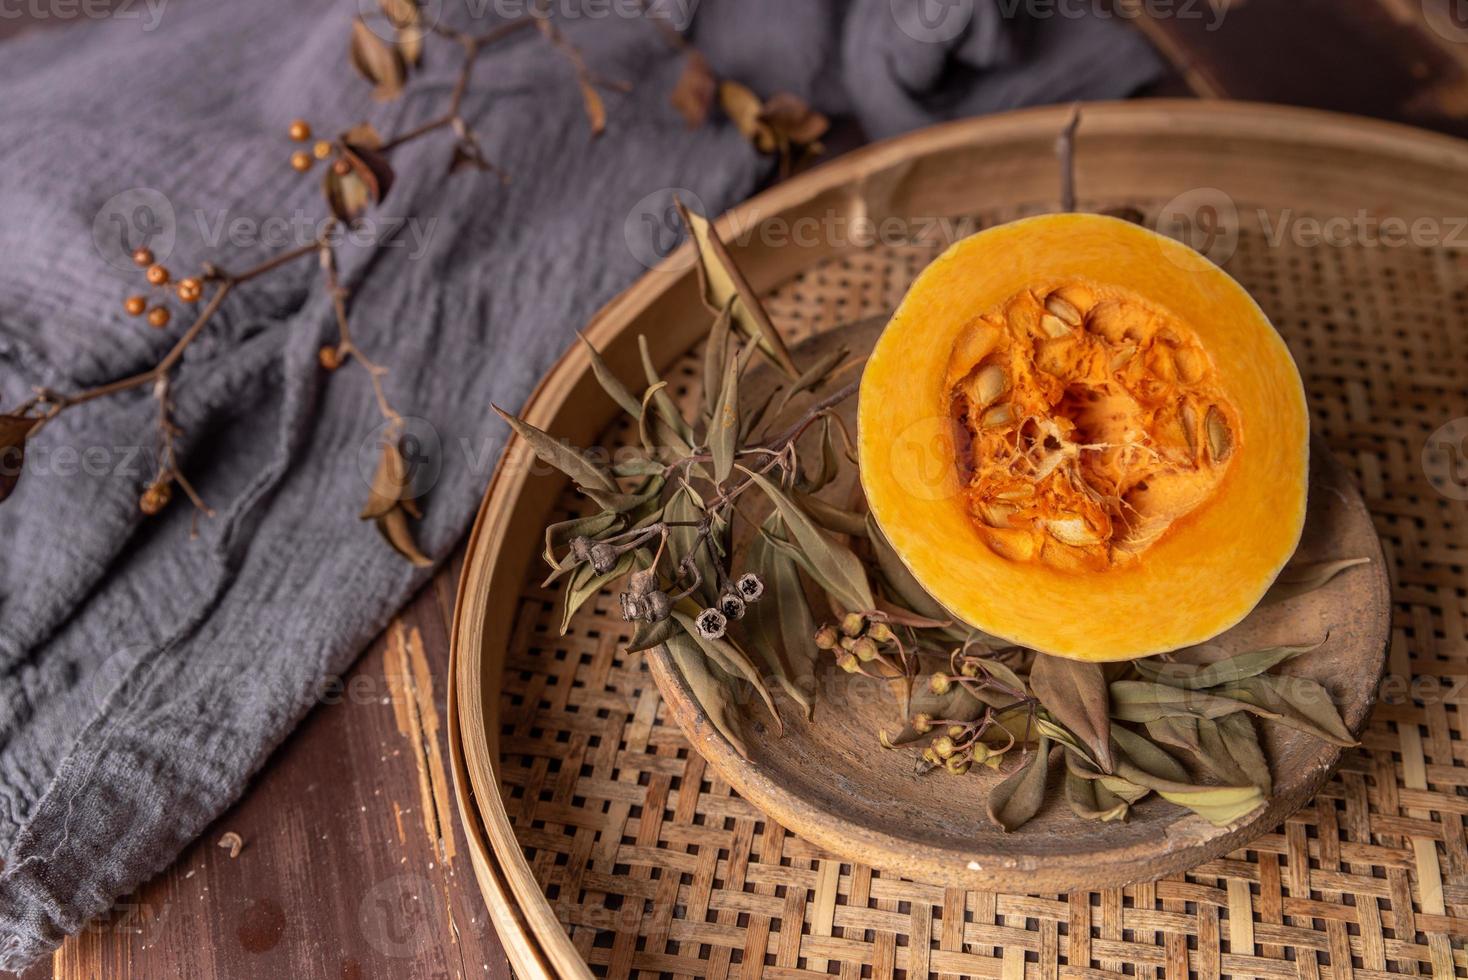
(1210, 567)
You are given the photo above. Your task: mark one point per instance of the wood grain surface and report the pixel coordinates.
(348, 787)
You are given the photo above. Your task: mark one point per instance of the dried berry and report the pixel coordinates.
(155, 497)
(135, 305)
(143, 257)
(300, 131)
(157, 275)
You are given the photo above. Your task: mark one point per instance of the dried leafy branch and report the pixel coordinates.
(742, 617)
(358, 175)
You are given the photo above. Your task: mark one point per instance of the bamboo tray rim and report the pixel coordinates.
(535, 940)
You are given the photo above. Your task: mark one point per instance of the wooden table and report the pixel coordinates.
(360, 789)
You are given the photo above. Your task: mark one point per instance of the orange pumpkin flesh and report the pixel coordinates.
(1085, 438)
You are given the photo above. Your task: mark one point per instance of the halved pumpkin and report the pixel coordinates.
(1085, 438)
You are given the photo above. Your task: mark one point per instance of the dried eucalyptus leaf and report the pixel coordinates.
(715, 357)
(693, 94)
(1297, 580)
(586, 583)
(648, 635)
(1179, 731)
(609, 381)
(389, 482)
(814, 376)
(684, 507)
(1013, 802)
(558, 535)
(1197, 677)
(1219, 805)
(723, 433)
(780, 625)
(596, 109)
(1144, 701)
(567, 459)
(755, 414)
(712, 694)
(722, 281)
(623, 503)
(663, 402)
(744, 109)
(1297, 702)
(834, 566)
(733, 660)
(372, 167)
(347, 195)
(1075, 694)
(394, 529)
(830, 461)
(1149, 757)
(899, 580)
(1084, 797)
(377, 61)
(1229, 748)
(14, 430)
(831, 517)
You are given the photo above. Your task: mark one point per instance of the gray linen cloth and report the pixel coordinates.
(146, 674)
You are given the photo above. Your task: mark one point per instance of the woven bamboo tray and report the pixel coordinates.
(605, 846)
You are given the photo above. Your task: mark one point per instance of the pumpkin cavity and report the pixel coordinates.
(1091, 422)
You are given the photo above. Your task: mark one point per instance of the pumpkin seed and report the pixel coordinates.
(988, 385)
(1190, 429)
(1120, 359)
(1064, 309)
(1220, 439)
(998, 415)
(1190, 364)
(1054, 326)
(1072, 530)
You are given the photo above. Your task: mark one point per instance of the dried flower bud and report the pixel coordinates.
(603, 557)
(826, 638)
(659, 606)
(853, 624)
(711, 624)
(330, 358)
(642, 582)
(957, 765)
(969, 669)
(731, 605)
(155, 497)
(981, 752)
(865, 649)
(954, 731)
(634, 607)
(943, 745)
(581, 548)
(922, 723)
(939, 683)
(848, 663)
(880, 632)
(750, 587)
(931, 757)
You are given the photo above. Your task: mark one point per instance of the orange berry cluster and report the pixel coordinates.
(301, 161)
(188, 290)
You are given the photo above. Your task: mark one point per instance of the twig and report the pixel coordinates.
(1065, 149)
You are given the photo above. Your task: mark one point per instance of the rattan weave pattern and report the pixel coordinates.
(655, 867)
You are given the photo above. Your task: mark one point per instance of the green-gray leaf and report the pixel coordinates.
(1197, 677)
(1298, 702)
(723, 432)
(1013, 802)
(780, 624)
(1299, 579)
(1147, 756)
(1075, 694)
(567, 459)
(609, 381)
(1144, 701)
(833, 564)
(731, 659)
(712, 693)
(587, 583)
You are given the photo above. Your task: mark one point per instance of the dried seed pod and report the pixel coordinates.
(853, 624)
(658, 606)
(944, 746)
(750, 587)
(711, 624)
(881, 632)
(865, 649)
(940, 683)
(731, 606)
(922, 723)
(827, 638)
(603, 557)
